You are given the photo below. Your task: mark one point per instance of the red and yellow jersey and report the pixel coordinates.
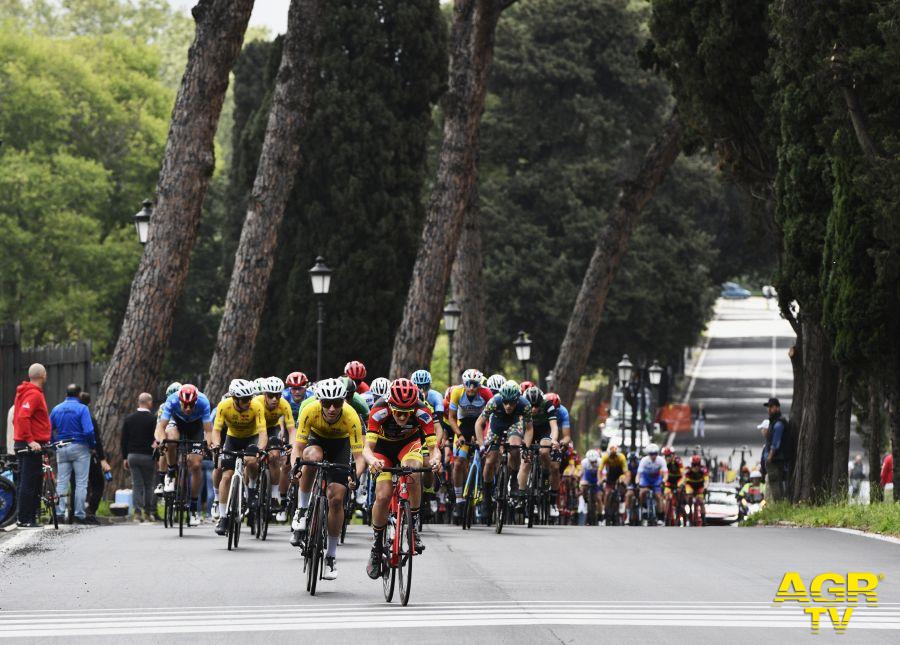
(383, 425)
(676, 468)
(696, 477)
(282, 410)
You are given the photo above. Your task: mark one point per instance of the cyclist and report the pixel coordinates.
(696, 480)
(508, 415)
(435, 403)
(651, 473)
(185, 414)
(356, 371)
(356, 400)
(631, 478)
(161, 463)
(675, 469)
(616, 468)
(297, 391)
(495, 382)
(546, 433)
(217, 466)
(753, 492)
(243, 419)
(379, 388)
(524, 386)
(466, 402)
(562, 417)
(590, 477)
(329, 430)
(394, 437)
(279, 419)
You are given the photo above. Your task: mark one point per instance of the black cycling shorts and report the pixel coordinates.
(234, 444)
(189, 430)
(540, 433)
(275, 441)
(337, 451)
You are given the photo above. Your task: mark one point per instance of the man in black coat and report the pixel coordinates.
(137, 451)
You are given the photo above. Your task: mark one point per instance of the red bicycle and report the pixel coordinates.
(49, 497)
(399, 536)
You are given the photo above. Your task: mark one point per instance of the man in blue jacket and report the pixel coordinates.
(71, 421)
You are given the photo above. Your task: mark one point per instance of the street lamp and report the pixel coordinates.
(320, 276)
(452, 314)
(624, 367)
(523, 352)
(142, 221)
(655, 372)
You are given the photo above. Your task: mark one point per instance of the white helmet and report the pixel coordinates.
(380, 387)
(241, 388)
(260, 384)
(756, 474)
(273, 385)
(592, 456)
(652, 449)
(472, 375)
(495, 382)
(331, 388)
(174, 387)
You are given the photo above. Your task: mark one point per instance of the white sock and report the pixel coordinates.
(216, 496)
(276, 494)
(332, 546)
(304, 499)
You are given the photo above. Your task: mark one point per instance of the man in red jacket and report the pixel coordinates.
(31, 428)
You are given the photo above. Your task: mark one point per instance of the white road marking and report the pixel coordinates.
(17, 541)
(325, 616)
(873, 536)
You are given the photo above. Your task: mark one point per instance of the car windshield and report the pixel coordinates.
(720, 497)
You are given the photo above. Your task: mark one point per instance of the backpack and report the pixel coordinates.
(788, 448)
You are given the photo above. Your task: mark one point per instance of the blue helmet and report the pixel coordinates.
(422, 378)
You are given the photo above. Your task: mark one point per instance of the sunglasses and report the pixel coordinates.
(402, 410)
(243, 399)
(332, 403)
(272, 396)
(473, 384)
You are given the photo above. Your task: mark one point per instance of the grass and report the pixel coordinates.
(876, 518)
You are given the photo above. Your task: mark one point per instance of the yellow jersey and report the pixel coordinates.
(616, 466)
(347, 426)
(283, 409)
(241, 425)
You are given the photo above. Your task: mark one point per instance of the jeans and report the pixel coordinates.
(210, 490)
(29, 484)
(143, 478)
(77, 457)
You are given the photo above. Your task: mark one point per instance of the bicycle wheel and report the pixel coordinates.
(318, 546)
(348, 514)
(388, 573)
(406, 535)
(181, 507)
(233, 521)
(502, 491)
(169, 510)
(48, 499)
(8, 502)
(263, 504)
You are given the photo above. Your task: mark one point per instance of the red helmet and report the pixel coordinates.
(355, 370)
(553, 397)
(696, 460)
(667, 451)
(524, 385)
(188, 394)
(296, 379)
(403, 394)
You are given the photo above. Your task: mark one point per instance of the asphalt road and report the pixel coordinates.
(548, 584)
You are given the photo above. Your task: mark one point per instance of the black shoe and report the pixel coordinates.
(419, 544)
(297, 539)
(90, 520)
(373, 568)
(28, 525)
(220, 527)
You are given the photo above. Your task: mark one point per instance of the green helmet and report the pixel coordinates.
(510, 392)
(172, 389)
(350, 384)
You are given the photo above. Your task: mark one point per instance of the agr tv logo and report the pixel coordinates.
(831, 590)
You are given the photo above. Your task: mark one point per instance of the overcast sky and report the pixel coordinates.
(266, 13)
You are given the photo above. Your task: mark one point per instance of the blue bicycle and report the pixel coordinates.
(473, 489)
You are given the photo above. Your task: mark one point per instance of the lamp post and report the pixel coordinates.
(452, 314)
(142, 221)
(523, 352)
(320, 276)
(624, 368)
(654, 373)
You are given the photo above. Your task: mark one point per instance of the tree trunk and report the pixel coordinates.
(811, 479)
(187, 166)
(894, 420)
(611, 244)
(470, 344)
(839, 468)
(873, 445)
(279, 163)
(471, 52)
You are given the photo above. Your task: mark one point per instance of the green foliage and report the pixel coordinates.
(875, 518)
(83, 127)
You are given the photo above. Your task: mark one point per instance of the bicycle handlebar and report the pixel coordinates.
(405, 470)
(326, 465)
(46, 448)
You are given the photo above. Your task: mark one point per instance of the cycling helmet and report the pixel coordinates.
(553, 397)
(355, 370)
(274, 385)
(509, 392)
(331, 388)
(260, 384)
(240, 388)
(173, 388)
(696, 460)
(350, 384)
(472, 375)
(666, 451)
(525, 385)
(403, 394)
(421, 378)
(534, 395)
(296, 379)
(380, 387)
(756, 475)
(495, 382)
(652, 449)
(592, 456)
(744, 469)
(632, 456)
(188, 394)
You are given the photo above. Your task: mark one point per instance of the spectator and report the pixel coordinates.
(773, 457)
(700, 422)
(137, 451)
(31, 425)
(857, 476)
(887, 477)
(72, 422)
(10, 429)
(99, 466)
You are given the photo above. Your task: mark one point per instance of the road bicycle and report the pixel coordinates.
(590, 499)
(399, 537)
(501, 484)
(48, 496)
(236, 508)
(537, 493)
(695, 514)
(674, 507)
(313, 546)
(178, 506)
(261, 511)
(611, 515)
(473, 493)
(8, 497)
(633, 507)
(648, 508)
